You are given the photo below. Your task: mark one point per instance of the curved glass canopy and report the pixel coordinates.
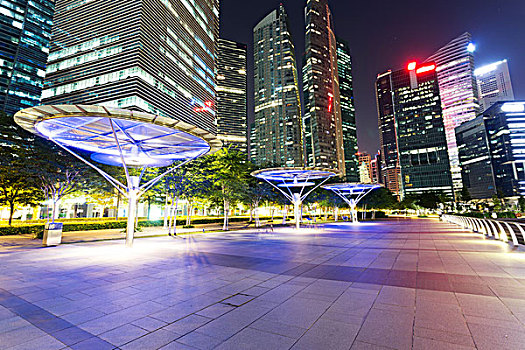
(115, 135)
(351, 188)
(293, 174)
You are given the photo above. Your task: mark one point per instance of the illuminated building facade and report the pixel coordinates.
(232, 94)
(375, 166)
(365, 168)
(474, 158)
(26, 33)
(276, 135)
(421, 140)
(324, 146)
(153, 56)
(492, 151)
(494, 84)
(346, 94)
(390, 168)
(458, 91)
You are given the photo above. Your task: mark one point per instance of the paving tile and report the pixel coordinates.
(254, 339)
(386, 328)
(328, 334)
(187, 324)
(148, 323)
(446, 337)
(92, 343)
(487, 336)
(199, 341)
(216, 310)
(278, 328)
(431, 344)
(124, 334)
(153, 340)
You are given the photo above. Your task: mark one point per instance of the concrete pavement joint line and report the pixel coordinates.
(42, 319)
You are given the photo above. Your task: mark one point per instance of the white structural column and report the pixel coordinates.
(297, 209)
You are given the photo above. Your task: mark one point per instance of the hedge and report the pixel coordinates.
(37, 230)
(479, 215)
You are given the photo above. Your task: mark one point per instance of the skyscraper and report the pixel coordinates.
(154, 56)
(277, 130)
(322, 118)
(26, 32)
(492, 151)
(421, 140)
(458, 91)
(365, 168)
(231, 94)
(346, 93)
(390, 167)
(494, 84)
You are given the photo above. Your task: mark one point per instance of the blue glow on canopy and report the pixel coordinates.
(296, 184)
(351, 187)
(143, 144)
(294, 174)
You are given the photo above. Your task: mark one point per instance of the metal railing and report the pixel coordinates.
(505, 231)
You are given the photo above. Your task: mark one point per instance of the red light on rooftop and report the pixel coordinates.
(209, 103)
(425, 69)
(412, 66)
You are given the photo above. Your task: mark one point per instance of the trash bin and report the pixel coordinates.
(52, 234)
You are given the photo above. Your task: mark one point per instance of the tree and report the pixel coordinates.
(18, 184)
(256, 192)
(521, 204)
(381, 198)
(465, 195)
(17, 188)
(229, 173)
(57, 185)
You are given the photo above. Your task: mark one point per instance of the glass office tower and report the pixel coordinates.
(231, 95)
(421, 140)
(492, 151)
(324, 146)
(458, 91)
(277, 131)
(346, 94)
(390, 168)
(494, 84)
(26, 32)
(155, 56)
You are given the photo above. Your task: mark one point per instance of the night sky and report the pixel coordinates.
(386, 34)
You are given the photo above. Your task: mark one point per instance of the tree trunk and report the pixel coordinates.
(251, 212)
(226, 213)
(118, 205)
(188, 216)
(284, 214)
(11, 213)
(149, 207)
(54, 211)
(166, 208)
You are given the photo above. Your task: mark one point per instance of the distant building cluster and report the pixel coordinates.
(440, 122)
(445, 125)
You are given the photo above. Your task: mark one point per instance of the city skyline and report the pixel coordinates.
(400, 45)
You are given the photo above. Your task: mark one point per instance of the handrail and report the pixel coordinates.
(501, 230)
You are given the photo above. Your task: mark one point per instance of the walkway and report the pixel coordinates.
(407, 284)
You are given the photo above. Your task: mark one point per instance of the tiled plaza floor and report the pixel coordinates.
(407, 284)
